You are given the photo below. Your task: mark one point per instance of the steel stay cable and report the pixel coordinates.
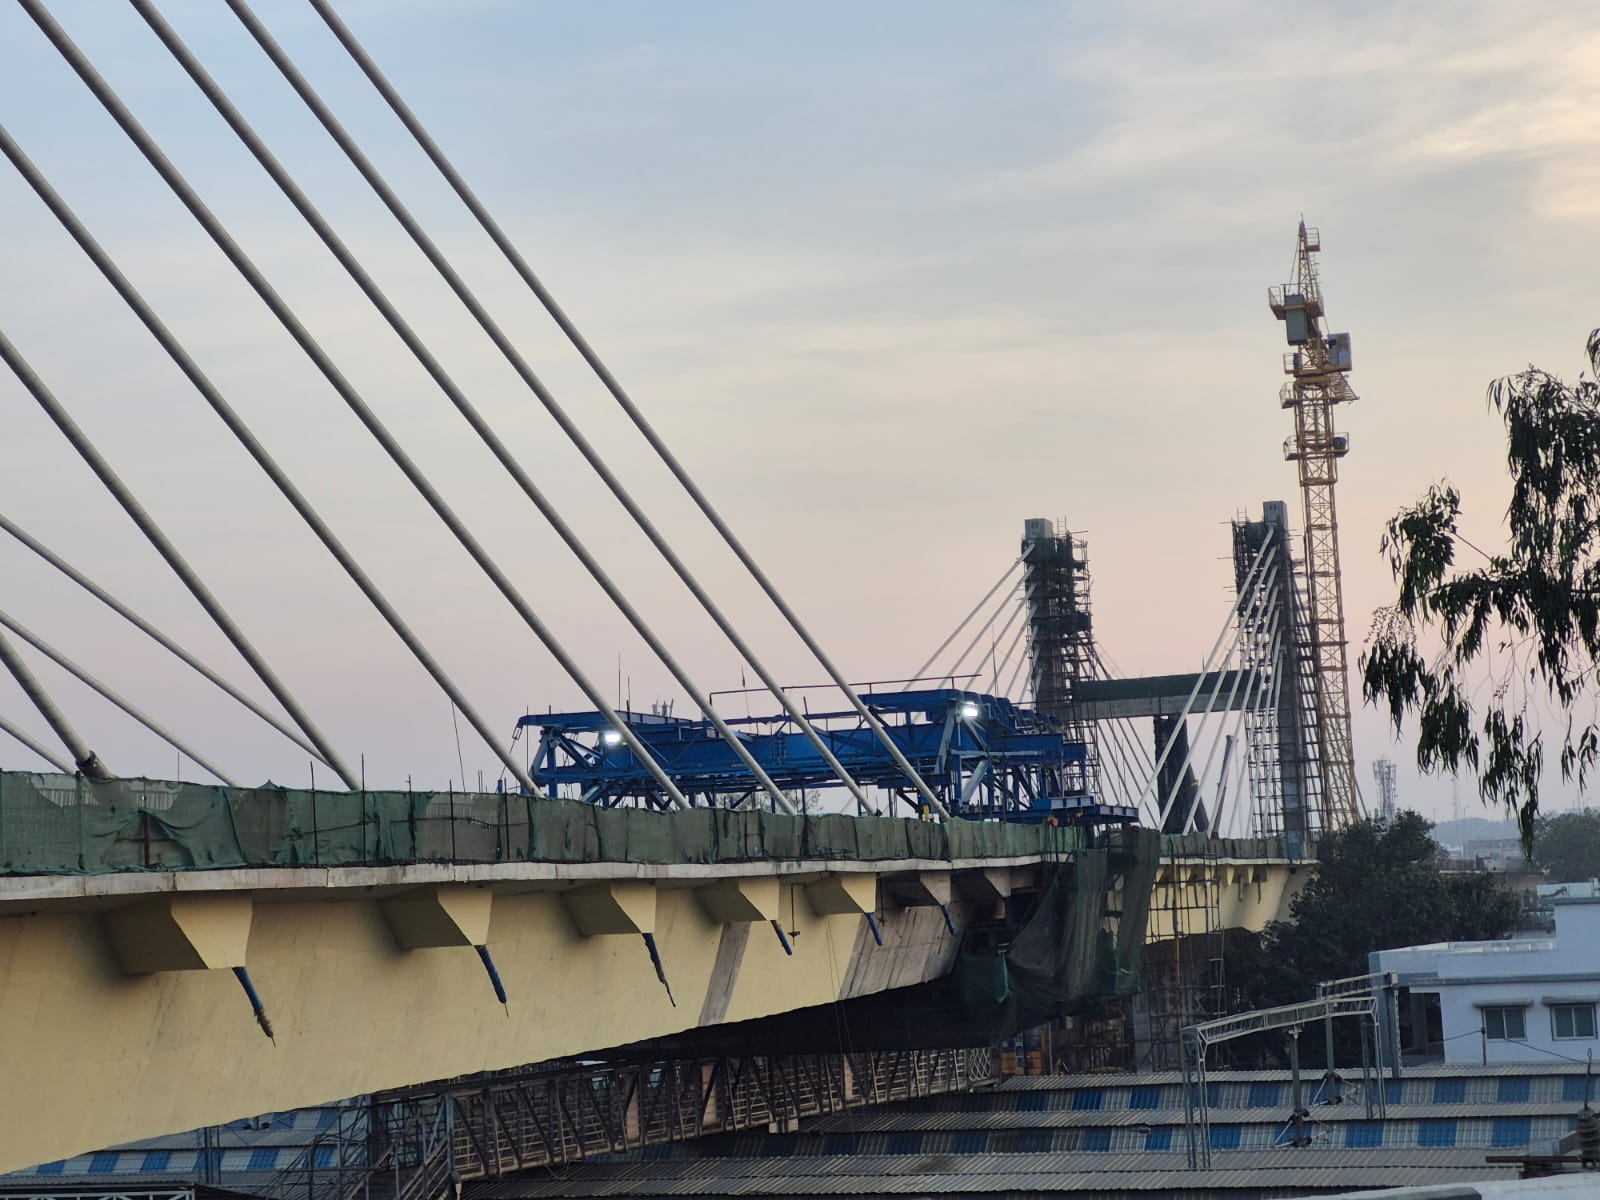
(1244, 591)
(247, 439)
(1238, 677)
(1022, 665)
(520, 265)
(977, 638)
(508, 349)
(22, 736)
(84, 758)
(451, 389)
(1281, 646)
(1116, 757)
(1252, 697)
(157, 537)
(1269, 693)
(313, 349)
(1211, 701)
(1011, 650)
(1016, 612)
(1120, 738)
(88, 680)
(1265, 674)
(122, 610)
(1210, 708)
(1182, 718)
(1272, 706)
(921, 671)
(1124, 723)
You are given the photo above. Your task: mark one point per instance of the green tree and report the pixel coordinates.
(1376, 887)
(1567, 847)
(1529, 616)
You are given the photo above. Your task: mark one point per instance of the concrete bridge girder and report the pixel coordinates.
(372, 982)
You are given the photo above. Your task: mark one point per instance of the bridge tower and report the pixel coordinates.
(1055, 584)
(1283, 733)
(1317, 362)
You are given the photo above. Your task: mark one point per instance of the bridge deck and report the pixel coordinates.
(360, 919)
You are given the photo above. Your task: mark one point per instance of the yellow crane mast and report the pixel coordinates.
(1317, 362)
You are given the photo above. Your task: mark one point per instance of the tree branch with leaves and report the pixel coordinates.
(1525, 620)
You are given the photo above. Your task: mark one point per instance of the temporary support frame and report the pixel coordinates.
(421, 1143)
(1360, 996)
(1184, 976)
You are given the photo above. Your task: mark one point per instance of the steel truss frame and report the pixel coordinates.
(1359, 996)
(422, 1143)
(981, 755)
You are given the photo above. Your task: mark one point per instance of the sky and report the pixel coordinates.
(890, 279)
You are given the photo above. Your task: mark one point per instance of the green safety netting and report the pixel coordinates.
(53, 824)
(1073, 951)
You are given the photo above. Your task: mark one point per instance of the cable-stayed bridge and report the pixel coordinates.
(1000, 853)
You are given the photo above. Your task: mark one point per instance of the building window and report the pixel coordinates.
(1505, 1024)
(1572, 1020)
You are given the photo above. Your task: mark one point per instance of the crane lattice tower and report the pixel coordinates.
(1318, 361)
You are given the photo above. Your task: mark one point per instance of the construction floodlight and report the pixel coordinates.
(611, 737)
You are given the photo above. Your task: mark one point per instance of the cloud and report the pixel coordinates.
(1234, 92)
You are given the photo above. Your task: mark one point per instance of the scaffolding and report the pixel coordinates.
(1185, 977)
(1056, 586)
(1283, 739)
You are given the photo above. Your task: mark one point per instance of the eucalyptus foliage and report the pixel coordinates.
(1566, 847)
(1527, 619)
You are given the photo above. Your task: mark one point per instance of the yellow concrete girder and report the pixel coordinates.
(174, 1047)
(1193, 898)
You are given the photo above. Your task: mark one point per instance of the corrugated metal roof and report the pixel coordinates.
(866, 1175)
(1162, 1162)
(1127, 1079)
(894, 1121)
(246, 1183)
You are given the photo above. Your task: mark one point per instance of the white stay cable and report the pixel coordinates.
(921, 671)
(1210, 707)
(1230, 625)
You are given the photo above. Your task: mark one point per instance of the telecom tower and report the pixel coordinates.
(1317, 362)
(1384, 771)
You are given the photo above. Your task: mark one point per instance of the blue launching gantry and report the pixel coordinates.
(983, 756)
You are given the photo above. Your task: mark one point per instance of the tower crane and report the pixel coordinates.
(1317, 363)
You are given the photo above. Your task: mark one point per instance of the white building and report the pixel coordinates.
(1523, 1000)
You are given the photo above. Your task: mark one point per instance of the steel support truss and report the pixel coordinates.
(421, 1143)
(981, 755)
(1361, 997)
